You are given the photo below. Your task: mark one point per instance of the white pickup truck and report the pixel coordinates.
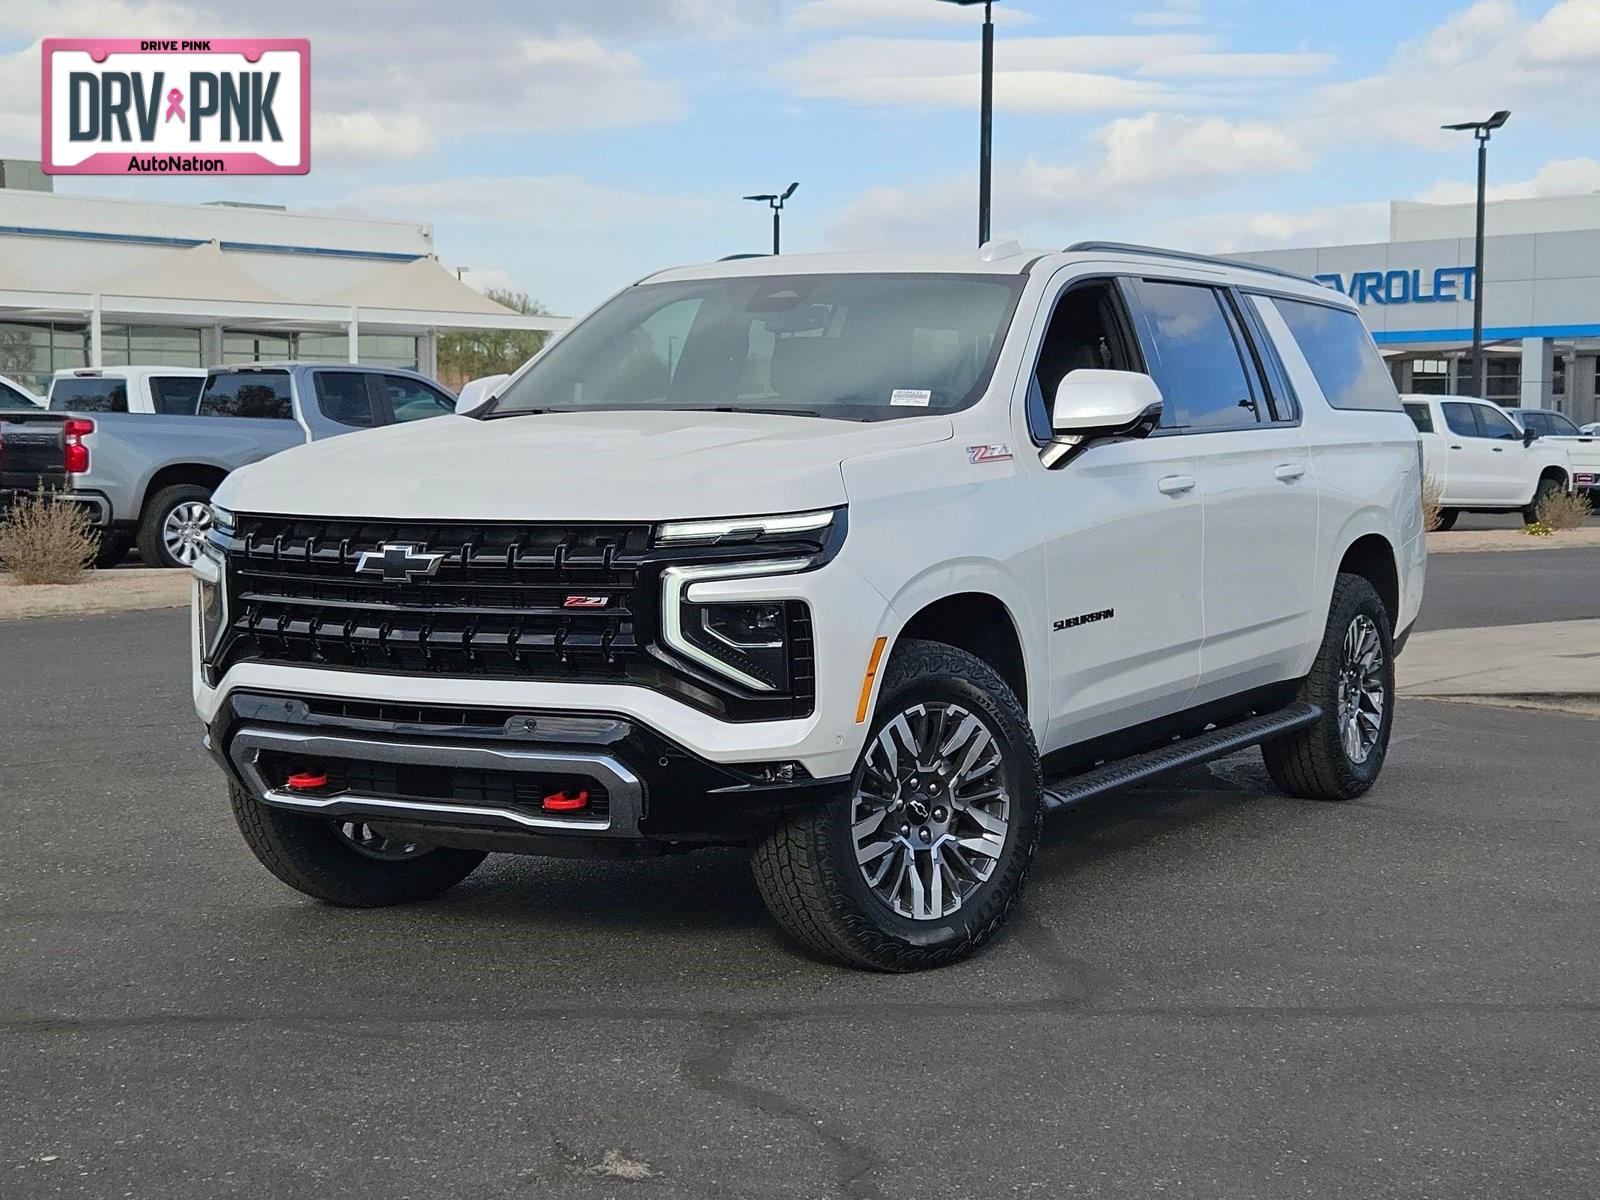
(860, 561)
(171, 390)
(1482, 460)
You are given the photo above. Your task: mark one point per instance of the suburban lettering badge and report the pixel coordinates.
(124, 106)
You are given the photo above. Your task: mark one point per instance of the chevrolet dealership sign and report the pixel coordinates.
(212, 106)
(1445, 285)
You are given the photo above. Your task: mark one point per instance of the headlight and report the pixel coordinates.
(746, 641)
(222, 520)
(746, 529)
(211, 602)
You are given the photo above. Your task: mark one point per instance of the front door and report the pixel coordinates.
(1123, 535)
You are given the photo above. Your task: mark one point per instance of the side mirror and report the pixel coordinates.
(475, 391)
(1092, 402)
(1529, 437)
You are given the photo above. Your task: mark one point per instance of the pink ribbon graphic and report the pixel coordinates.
(175, 106)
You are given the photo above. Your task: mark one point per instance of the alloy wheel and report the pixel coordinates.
(185, 529)
(1362, 694)
(365, 840)
(931, 810)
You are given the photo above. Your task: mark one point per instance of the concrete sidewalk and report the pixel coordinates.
(1555, 664)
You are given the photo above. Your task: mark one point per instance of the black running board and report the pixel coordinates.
(1068, 790)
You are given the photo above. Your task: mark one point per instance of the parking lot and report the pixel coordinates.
(1213, 991)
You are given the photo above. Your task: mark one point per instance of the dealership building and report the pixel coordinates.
(88, 282)
(1541, 299)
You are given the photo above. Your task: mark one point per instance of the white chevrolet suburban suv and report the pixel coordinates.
(859, 561)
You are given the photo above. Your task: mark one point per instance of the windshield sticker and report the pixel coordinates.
(910, 398)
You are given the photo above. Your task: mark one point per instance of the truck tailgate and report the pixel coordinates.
(31, 451)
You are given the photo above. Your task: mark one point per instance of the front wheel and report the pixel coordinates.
(1547, 487)
(1338, 757)
(926, 859)
(346, 862)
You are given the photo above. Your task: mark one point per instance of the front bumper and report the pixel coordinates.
(474, 777)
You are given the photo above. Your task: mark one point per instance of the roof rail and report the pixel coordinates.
(1209, 260)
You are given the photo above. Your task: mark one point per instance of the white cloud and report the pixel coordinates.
(1559, 177)
(1177, 13)
(838, 14)
(1231, 232)
(373, 137)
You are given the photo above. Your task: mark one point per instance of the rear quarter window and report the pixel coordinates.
(1420, 417)
(89, 395)
(175, 395)
(258, 394)
(1342, 357)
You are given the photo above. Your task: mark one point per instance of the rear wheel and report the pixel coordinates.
(926, 859)
(1338, 757)
(346, 862)
(1446, 519)
(112, 550)
(174, 526)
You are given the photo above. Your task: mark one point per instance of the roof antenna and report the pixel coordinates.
(994, 249)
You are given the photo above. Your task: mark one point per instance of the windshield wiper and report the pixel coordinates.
(756, 408)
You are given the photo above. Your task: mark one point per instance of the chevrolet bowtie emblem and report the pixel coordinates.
(398, 562)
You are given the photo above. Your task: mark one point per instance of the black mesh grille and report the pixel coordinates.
(496, 607)
(500, 603)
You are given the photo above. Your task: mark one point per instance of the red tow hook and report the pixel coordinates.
(306, 781)
(561, 802)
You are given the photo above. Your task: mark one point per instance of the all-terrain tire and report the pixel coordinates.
(308, 854)
(807, 870)
(1313, 762)
(150, 538)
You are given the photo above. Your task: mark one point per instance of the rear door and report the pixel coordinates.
(1228, 403)
(1435, 458)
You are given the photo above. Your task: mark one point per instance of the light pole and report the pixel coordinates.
(1480, 130)
(985, 117)
(775, 203)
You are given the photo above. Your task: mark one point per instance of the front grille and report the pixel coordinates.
(496, 605)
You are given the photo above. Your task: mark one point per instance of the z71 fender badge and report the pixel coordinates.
(997, 452)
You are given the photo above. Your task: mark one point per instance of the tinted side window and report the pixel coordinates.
(1420, 417)
(342, 396)
(262, 394)
(1459, 418)
(175, 394)
(1495, 424)
(11, 398)
(412, 400)
(1085, 331)
(89, 395)
(1341, 355)
(1195, 358)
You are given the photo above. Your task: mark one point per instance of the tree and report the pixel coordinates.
(474, 353)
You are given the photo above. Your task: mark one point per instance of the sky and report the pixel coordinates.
(568, 147)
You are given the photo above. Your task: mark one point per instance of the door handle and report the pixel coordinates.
(1175, 485)
(1289, 472)
(1498, 449)
(1455, 447)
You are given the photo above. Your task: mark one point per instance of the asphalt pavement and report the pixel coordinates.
(1510, 587)
(1212, 991)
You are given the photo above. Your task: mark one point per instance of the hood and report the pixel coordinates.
(600, 466)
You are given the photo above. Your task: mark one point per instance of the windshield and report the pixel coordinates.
(854, 347)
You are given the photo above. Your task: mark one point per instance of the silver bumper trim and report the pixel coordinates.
(625, 793)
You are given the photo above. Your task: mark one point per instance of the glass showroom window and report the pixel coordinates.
(1431, 376)
(1504, 379)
